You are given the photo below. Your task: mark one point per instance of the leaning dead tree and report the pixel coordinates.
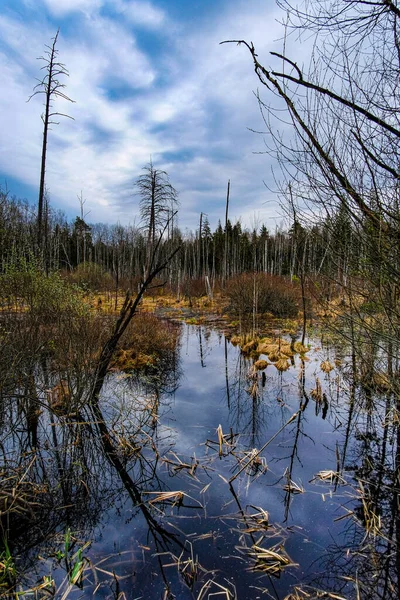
(52, 88)
(128, 311)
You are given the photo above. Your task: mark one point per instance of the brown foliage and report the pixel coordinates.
(264, 293)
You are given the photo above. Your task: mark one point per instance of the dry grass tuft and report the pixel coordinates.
(282, 364)
(249, 347)
(300, 348)
(225, 444)
(329, 477)
(326, 366)
(269, 561)
(287, 351)
(291, 486)
(270, 348)
(261, 364)
(266, 340)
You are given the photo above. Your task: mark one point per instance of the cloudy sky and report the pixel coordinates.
(148, 79)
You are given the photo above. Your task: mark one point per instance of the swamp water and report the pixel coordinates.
(195, 511)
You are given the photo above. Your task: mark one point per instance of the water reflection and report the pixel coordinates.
(204, 476)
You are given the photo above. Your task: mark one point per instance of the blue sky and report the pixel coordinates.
(149, 79)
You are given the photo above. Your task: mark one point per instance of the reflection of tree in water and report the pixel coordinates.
(368, 553)
(253, 397)
(204, 335)
(65, 462)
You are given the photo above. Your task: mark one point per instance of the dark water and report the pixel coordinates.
(322, 494)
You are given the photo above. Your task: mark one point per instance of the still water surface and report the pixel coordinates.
(183, 531)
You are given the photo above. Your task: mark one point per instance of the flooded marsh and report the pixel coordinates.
(205, 477)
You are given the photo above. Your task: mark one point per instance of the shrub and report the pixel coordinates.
(91, 276)
(25, 287)
(265, 293)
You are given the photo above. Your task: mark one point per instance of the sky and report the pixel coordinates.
(150, 81)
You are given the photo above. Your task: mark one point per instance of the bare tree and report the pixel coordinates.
(342, 154)
(158, 200)
(51, 86)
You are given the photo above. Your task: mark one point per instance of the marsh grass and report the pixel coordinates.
(8, 571)
(312, 593)
(172, 499)
(213, 589)
(18, 494)
(176, 465)
(291, 486)
(225, 443)
(268, 561)
(187, 564)
(329, 476)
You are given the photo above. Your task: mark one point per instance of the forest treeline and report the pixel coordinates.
(102, 256)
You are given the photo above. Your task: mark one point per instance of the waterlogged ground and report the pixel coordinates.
(197, 511)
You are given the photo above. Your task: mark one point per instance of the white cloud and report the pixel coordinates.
(195, 97)
(63, 7)
(141, 13)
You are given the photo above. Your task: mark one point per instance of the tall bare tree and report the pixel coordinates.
(158, 201)
(52, 88)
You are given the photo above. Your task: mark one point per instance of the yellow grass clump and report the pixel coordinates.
(381, 381)
(274, 355)
(249, 347)
(268, 348)
(266, 340)
(282, 364)
(260, 365)
(300, 348)
(326, 366)
(286, 350)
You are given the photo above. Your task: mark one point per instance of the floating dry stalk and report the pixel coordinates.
(328, 476)
(292, 418)
(255, 464)
(229, 593)
(257, 522)
(372, 521)
(291, 486)
(189, 568)
(225, 444)
(125, 446)
(177, 465)
(172, 499)
(270, 561)
(312, 593)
